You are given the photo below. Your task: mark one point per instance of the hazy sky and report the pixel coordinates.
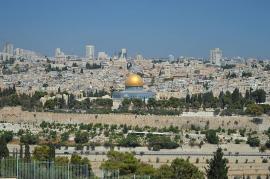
(150, 27)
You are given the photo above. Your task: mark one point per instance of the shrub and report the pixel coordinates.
(156, 148)
(29, 138)
(254, 109)
(238, 141)
(7, 135)
(267, 144)
(211, 137)
(131, 140)
(253, 141)
(264, 160)
(161, 142)
(81, 137)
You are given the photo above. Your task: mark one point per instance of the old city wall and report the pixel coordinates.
(15, 114)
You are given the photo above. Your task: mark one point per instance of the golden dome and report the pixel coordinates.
(134, 80)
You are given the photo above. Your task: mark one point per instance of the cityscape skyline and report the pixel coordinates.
(180, 28)
(135, 89)
(90, 53)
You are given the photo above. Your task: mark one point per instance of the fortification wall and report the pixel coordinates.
(15, 114)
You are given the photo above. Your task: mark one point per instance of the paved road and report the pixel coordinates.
(145, 151)
(173, 153)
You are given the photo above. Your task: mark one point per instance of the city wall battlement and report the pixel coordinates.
(15, 114)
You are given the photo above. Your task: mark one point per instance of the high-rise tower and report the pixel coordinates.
(216, 56)
(90, 52)
(123, 54)
(8, 48)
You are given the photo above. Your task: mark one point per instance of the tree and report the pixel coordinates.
(247, 95)
(126, 103)
(211, 137)
(221, 100)
(27, 155)
(138, 103)
(151, 103)
(266, 108)
(71, 101)
(145, 169)
(93, 66)
(253, 141)
(45, 85)
(50, 104)
(164, 171)
(161, 142)
(75, 159)
(87, 66)
(61, 103)
(254, 109)
(237, 99)
(3, 148)
(246, 74)
(130, 141)
(74, 65)
(86, 104)
(187, 98)
(217, 167)
(78, 160)
(21, 151)
(259, 95)
(267, 144)
(7, 135)
(182, 169)
(59, 160)
(29, 138)
(103, 103)
(81, 137)
(208, 99)
(41, 153)
(126, 163)
(64, 136)
(51, 152)
(228, 66)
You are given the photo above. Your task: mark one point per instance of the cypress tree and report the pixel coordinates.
(21, 151)
(217, 168)
(247, 95)
(187, 98)
(27, 155)
(4, 152)
(51, 152)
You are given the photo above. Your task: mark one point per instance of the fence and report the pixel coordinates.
(21, 169)
(115, 174)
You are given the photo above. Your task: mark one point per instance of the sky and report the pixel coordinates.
(153, 28)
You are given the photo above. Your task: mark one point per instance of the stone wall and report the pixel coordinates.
(15, 114)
